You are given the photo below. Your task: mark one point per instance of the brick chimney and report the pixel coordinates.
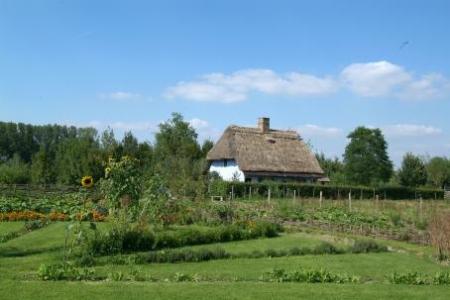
(264, 124)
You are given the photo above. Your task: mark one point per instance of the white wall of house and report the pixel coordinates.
(227, 170)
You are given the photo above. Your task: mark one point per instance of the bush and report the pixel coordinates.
(14, 171)
(186, 255)
(123, 240)
(367, 246)
(33, 225)
(304, 190)
(326, 248)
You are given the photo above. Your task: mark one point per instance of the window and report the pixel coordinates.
(225, 162)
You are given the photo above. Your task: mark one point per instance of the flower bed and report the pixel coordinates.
(29, 215)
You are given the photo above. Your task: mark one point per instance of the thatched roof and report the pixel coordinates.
(258, 150)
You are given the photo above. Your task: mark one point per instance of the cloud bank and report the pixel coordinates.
(366, 80)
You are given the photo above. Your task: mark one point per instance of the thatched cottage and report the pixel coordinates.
(262, 153)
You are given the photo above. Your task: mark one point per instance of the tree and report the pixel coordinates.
(14, 171)
(438, 169)
(206, 146)
(177, 155)
(413, 172)
(366, 159)
(332, 167)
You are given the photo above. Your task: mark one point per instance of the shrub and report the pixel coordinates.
(305, 190)
(124, 239)
(367, 246)
(185, 255)
(33, 225)
(326, 248)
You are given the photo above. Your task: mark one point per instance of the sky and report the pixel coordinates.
(319, 67)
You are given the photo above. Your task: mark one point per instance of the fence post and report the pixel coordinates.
(232, 192)
(250, 193)
(320, 199)
(295, 194)
(268, 196)
(420, 208)
(350, 201)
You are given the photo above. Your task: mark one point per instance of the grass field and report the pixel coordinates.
(21, 257)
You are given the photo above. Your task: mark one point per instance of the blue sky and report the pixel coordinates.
(320, 67)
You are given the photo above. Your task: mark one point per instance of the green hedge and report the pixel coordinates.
(302, 190)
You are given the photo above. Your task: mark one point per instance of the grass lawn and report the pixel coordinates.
(237, 290)
(221, 279)
(7, 227)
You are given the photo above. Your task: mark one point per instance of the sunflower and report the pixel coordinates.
(107, 171)
(87, 181)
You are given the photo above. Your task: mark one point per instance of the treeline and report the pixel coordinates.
(366, 162)
(55, 154)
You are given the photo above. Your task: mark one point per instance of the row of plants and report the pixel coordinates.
(94, 215)
(69, 272)
(64, 203)
(415, 278)
(304, 190)
(205, 254)
(336, 215)
(308, 276)
(125, 239)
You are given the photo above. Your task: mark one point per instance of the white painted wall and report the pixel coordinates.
(227, 172)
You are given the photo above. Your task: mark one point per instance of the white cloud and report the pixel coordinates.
(410, 130)
(118, 125)
(120, 96)
(204, 129)
(371, 80)
(375, 78)
(382, 78)
(311, 131)
(199, 123)
(238, 85)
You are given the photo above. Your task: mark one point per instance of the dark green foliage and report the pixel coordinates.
(178, 157)
(33, 225)
(438, 169)
(332, 167)
(304, 190)
(413, 172)
(366, 159)
(326, 248)
(51, 154)
(120, 240)
(367, 246)
(172, 256)
(14, 170)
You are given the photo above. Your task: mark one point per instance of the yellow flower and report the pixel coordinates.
(107, 171)
(87, 181)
